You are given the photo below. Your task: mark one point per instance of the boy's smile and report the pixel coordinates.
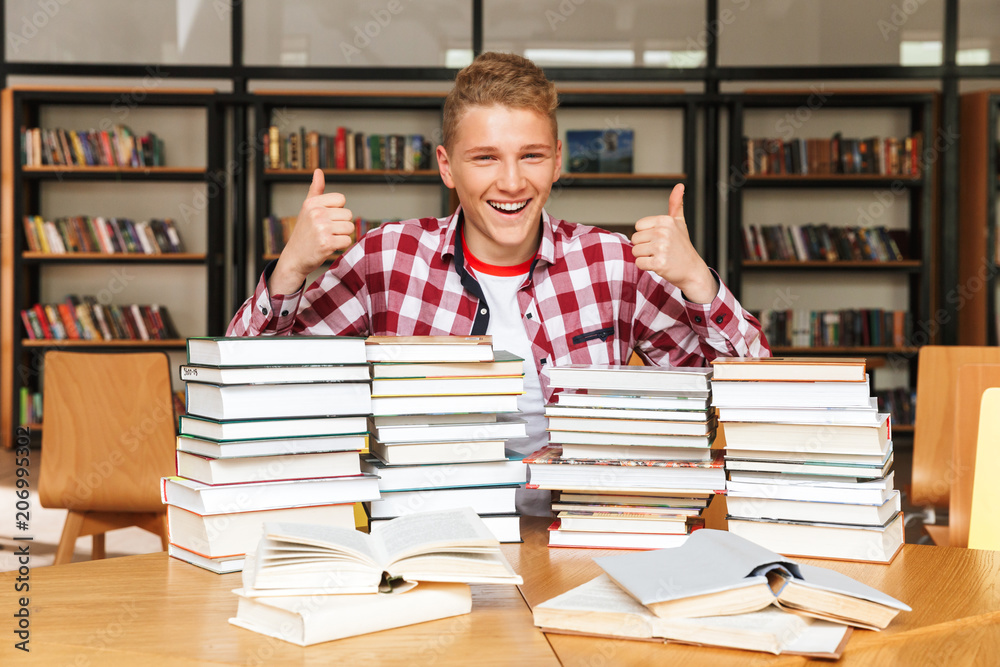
(502, 165)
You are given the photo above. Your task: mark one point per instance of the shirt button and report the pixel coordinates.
(720, 319)
(264, 310)
(528, 316)
(284, 312)
(697, 318)
(483, 311)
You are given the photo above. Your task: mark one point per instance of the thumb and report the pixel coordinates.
(676, 206)
(319, 184)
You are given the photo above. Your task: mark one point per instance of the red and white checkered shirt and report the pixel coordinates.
(583, 301)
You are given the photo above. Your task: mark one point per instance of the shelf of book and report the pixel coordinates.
(906, 265)
(173, 343)
(832, 181)
(571, 180)
(423, 176)
(831, 350)
(842, 178)
(979, 164)
(188, 123)
(114, 174)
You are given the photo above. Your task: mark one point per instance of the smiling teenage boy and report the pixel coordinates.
(550, 291)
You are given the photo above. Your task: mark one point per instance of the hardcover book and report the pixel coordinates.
(308, 620)
(718, 573)
(601, 608)
(447, 546)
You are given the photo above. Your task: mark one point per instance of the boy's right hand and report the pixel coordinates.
(323, 227)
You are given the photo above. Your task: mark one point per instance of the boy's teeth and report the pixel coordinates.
(503, 206)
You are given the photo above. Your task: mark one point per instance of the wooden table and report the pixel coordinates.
(954, 593)
(155, 610)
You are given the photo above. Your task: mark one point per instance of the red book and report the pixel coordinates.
(68, 321)
(28, 329)
(43, 321)
(340, 148)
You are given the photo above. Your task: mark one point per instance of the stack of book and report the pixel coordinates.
(809, 458)
(443, 408)
(631, 457)
(307, 584)
(273, 432)
(720, 590)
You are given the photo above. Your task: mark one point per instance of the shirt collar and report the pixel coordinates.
(546, 249)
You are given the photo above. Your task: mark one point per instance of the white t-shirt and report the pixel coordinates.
(508, 334)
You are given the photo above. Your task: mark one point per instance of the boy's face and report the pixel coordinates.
(502, 164)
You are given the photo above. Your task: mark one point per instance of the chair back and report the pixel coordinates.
(973, 380)
(937, 375)
(108, 433)
(984, 527)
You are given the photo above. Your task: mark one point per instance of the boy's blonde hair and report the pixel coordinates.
(499, 79)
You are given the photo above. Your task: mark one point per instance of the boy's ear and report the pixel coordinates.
(558, 165)
(444, 167)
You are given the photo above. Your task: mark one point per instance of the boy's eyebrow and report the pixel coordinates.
(494, 149)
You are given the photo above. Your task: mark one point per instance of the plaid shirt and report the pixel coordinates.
(583, 301)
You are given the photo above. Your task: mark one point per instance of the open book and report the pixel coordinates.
(451, 545)
(717, 573)
(601, 607)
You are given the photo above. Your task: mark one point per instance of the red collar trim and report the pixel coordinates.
(480, 266)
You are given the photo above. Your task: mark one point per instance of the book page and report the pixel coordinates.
(600, 594)
(425, 531)
(600, 607)
(346, 541)
(830, 580)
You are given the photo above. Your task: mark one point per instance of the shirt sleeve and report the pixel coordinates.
(670, 330)
(336, 304)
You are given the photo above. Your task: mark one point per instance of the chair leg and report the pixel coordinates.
(97, 550)
(67, 542)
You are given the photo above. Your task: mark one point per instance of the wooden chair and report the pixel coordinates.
(973, 380)
(108, 437)
(937, 374)
(984, 528)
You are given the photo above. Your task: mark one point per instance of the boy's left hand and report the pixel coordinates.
(661, 244)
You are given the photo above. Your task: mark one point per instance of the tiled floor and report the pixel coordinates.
(46, 524)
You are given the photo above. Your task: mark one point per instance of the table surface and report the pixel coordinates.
(140, 609)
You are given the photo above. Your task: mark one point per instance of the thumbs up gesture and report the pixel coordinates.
(323, 227)
(661, 244)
